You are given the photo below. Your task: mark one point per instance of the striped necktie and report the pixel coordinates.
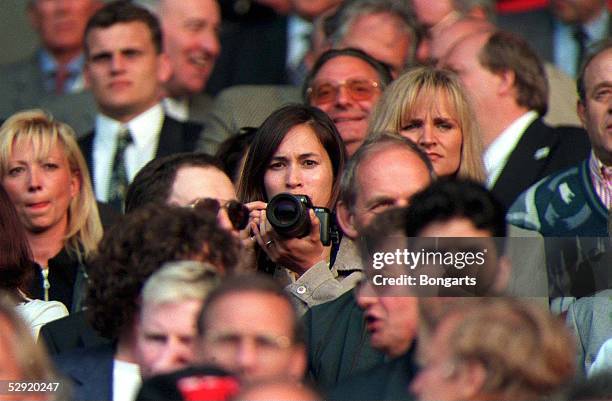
(119, 178)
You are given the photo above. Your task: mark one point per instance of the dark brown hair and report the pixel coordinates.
(15, 256)
(139, 245)
(269, 137)
(123, 12)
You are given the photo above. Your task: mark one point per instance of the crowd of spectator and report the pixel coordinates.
(307, 200)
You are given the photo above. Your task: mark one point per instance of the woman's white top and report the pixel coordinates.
(36, 313)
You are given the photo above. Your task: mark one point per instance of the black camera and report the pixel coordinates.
(288, 214)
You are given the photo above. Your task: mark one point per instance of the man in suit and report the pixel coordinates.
(56, 67)
(503, 77)
(563, 32)
(125, 68)
(264, 42)
(562, 94)
(191, 40)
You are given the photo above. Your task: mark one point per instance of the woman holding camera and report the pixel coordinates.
(46, 178)
(298, 151)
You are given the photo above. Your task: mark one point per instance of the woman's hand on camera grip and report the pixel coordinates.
(296, 254)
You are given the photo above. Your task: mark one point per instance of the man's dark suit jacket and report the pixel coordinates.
(541, 151)
(253, 51)
(22, 84)
(70, 332)
(175, 137)
(90, 371)
(338, 342)
(388, 381)
(537, 27)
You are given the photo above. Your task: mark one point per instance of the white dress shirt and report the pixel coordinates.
(144, 129)
(498, 152)
(126, 380)
(298, 39)
(176, 108)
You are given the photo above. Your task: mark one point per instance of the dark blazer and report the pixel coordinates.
(388, 381)
(338, 342)
(22, 84)
(537, 27)
(566, 146)
(253, 51)
(90, 371)
(70, 332)
(175, 137)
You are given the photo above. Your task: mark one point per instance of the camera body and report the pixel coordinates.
(289, 216)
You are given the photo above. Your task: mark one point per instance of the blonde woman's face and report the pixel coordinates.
(40, 187)
(437, 131)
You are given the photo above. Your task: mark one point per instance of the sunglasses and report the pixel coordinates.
(237, 212)
(357, 89)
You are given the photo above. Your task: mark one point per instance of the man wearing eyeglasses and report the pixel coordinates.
(346, 84)
(250, 327)
(189, 179)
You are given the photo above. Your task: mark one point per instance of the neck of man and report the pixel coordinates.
(47, 244)
(126, 345)
(64, 56)
(498, 120)
(127, 114)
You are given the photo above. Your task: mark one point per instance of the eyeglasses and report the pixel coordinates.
(237, 212)
(357, 89)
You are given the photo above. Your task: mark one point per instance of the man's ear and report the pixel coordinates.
(472, 377)
(580, 109)
(346, 220)
(164, 70)
(297, 364)
(507, 80)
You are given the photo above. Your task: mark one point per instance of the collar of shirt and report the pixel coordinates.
(176, 108)
(49, 66)
(298, 39)
(498, 152)
(145, 130)
(126, 380)
(602, 182)
(598, 28)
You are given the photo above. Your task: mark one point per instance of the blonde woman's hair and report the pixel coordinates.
(44, 132)
(427, 84)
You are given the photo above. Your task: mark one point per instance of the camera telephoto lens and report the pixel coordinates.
(288, 214)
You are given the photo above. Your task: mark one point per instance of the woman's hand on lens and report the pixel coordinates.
(296, 254)
(247, 236)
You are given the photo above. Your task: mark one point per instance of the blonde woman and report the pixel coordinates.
(46, 178)
(430, 107)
